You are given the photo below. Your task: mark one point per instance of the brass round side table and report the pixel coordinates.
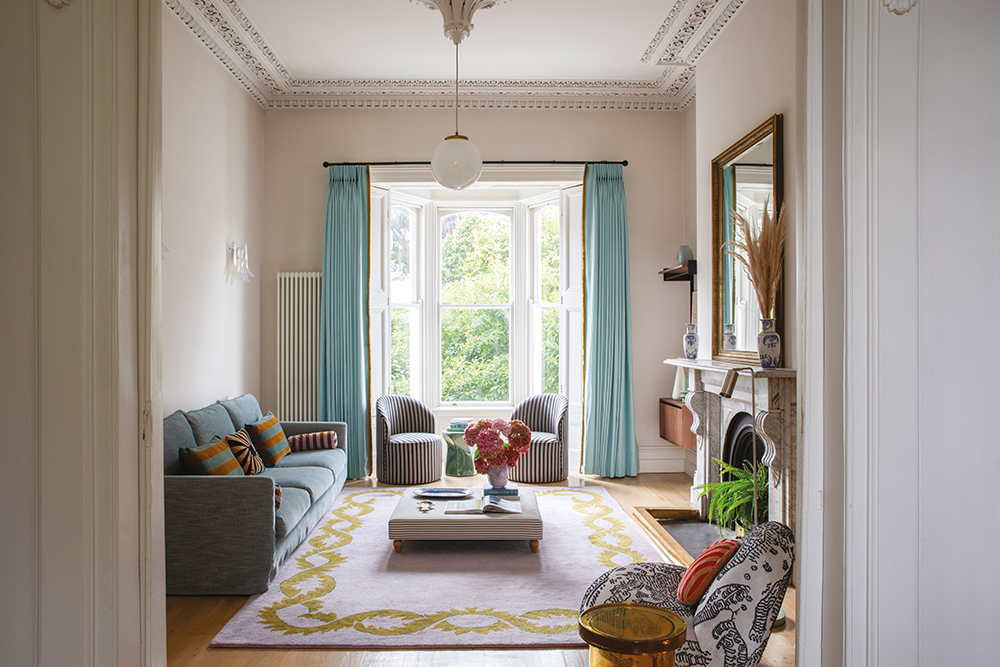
(631, 634)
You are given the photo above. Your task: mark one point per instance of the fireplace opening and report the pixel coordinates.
(739, 446)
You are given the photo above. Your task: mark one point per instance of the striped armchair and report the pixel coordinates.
(408, 451)
(548, 458)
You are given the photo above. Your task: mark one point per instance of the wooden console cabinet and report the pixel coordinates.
(675, 424)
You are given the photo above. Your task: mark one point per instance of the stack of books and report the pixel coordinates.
(508, 492)
(460, 423)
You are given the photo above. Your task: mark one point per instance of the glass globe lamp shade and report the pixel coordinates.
(456, 163)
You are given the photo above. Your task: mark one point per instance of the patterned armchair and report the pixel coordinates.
(731, 624)
(408, 451)
(548, 458)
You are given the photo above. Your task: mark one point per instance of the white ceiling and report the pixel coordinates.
(591, 54)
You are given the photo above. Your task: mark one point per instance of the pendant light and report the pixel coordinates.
(456, 163)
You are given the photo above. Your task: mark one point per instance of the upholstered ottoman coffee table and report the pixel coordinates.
(409, 523)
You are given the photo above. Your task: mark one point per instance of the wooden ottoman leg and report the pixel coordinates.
(534, 546)
(397, 545)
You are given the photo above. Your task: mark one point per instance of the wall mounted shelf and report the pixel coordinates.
(683, 272)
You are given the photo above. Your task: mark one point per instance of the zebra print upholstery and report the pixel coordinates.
(731, 624)
(407, 450)
(547, 460)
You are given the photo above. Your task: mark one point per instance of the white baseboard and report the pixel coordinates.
(690, 461)
(665, 458)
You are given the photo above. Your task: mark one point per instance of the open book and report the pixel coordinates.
(483, 506)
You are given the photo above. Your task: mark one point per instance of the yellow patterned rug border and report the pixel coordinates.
(606, 534)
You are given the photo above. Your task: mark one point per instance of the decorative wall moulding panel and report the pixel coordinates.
(690, 26)
(899, 6)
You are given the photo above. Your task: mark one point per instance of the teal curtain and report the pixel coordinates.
(344, 366)
(609, 445)
(728, 230)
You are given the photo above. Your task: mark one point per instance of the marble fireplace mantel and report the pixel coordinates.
(776, 422)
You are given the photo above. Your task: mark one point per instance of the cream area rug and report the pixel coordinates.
(345, 587)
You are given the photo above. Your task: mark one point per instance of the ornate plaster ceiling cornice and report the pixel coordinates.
(688, 29)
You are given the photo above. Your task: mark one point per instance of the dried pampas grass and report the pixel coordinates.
(762, 255)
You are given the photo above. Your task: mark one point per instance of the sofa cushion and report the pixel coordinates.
(334, 460)
(242, 448)
(294, 504)
(269, 439)
(704, 569)
(215, 458)
(307, 442)
(243, 410)
(211, 421)
(176, 434)
(308, 478)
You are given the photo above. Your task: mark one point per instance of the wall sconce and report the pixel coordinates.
(237, 263)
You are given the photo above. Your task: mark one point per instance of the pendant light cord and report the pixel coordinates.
(456, 89)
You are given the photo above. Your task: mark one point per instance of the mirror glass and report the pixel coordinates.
(746, 178)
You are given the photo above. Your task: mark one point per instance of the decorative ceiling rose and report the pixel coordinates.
(458, 15)
(899, 6)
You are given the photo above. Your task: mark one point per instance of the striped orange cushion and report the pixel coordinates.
(246, 455)
(703, 570)
(308, 442)
(215, 458)
(269, 439)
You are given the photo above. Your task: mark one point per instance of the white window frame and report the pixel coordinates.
(417, 208)
(432, 349)
(527, 192)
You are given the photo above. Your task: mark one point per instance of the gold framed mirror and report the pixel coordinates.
(745, 177)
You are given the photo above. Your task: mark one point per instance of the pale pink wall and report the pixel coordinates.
(212, 176)
(749, 73)
(297, 141)
(18, 333)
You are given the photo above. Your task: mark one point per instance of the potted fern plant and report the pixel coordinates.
(730, 503)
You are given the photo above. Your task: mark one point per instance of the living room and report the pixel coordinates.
(261, 182)
(870, 506)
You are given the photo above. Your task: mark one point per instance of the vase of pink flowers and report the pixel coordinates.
(497, 445)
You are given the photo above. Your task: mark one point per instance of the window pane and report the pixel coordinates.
(548, 269)
(475, 354)
(400, 350)
(475, 258)
(400, 257)
(550, 350)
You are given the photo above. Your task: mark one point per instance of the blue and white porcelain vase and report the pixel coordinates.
(768, 345)
(728, 337)
(691, 341)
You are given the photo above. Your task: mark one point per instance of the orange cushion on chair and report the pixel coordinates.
(703, 570)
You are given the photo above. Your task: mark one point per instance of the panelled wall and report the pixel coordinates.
(921, 235)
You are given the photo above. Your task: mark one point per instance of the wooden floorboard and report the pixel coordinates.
(192, 622)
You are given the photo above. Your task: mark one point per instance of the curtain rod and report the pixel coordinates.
(623, 163)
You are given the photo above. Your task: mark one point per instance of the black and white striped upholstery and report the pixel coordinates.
(407, 449)
(547, 460)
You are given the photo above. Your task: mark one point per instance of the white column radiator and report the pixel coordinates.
(298, 345)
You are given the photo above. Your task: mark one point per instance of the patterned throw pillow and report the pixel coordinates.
(269, 439)
(215, 458)
(242, 449)
(308, 442)
(703, 571)
(277, 497)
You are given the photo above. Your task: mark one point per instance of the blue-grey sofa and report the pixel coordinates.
(223, 535)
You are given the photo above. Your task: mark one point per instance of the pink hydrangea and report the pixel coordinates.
(497, 442)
